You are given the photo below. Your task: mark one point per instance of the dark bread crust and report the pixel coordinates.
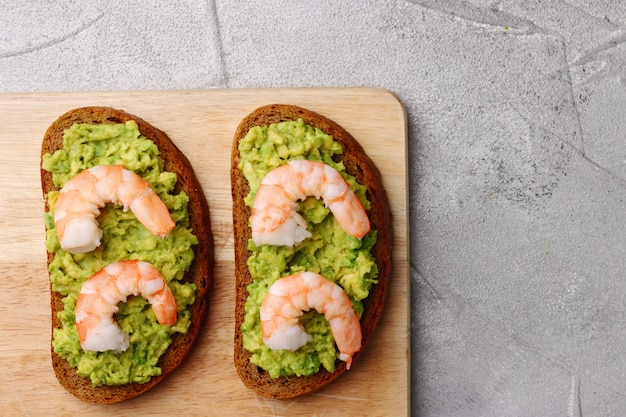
(358, 164)
(201, 271)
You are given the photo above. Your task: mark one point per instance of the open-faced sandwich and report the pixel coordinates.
(130, 253)
(312, 238)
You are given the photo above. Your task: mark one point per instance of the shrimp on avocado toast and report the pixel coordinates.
(288, 297)
(101, 293)
(275, 220)
(81, 198)
(312, 238)
(130, 253)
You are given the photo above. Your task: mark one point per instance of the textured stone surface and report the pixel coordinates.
(517, 160)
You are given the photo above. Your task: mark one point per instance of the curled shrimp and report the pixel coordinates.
(275, 220)
(100, 294)
(81, 198)
(290, 296)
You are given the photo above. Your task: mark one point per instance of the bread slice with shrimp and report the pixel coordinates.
(357, 164)
(200, 273)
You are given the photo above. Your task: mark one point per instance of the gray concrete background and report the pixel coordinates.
(517, 160)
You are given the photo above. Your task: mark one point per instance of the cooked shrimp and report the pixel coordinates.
(275, 220)
(290, 296)
(100, 294)
(82, 197)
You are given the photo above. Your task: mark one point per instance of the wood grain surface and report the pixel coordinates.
(201, 123)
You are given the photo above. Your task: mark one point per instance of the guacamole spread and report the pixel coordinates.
(85, 146)
(330, 251)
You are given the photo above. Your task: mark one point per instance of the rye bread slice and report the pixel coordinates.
(200, 272)
(358, 164)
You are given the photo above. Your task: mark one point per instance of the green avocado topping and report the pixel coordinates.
(85, 146)
(330, 251)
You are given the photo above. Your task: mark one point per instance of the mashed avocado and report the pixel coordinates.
(330, 251)
(84, 146)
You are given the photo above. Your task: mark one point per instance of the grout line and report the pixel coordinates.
(574, 406)
(485, 16)
(568, 74)
(579, 150)
(591, 54)
(219, 42)
(52, 41)
(438, 296)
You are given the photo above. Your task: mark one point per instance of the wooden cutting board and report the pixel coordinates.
(201, 123)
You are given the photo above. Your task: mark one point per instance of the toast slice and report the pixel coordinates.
(200, 272)
(359, 165)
